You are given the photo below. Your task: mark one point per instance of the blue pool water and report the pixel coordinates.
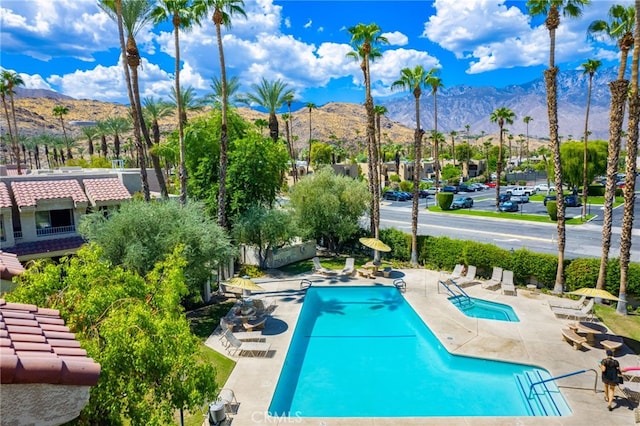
(479, 308)
(364, 352)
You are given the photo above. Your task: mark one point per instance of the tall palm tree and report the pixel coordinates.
(630, 169)
(60, 111)
(453, 135)
(551, 10)
(10, 81)
(590, 67)
(182, 18)
(223, 11)
(132, 15)
(233, 88)
(310, 106)
(152, 111)
(188, 101)
(620, 29)
(434, 82)
(527, 119)
(103, 132)
(365, 40)
(117, 126)
(288, 125)
(414, 80)
(270, 95)
(90, 133)
(501, 116)
(379, 111)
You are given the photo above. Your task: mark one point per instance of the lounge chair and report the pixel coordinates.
(572, 337)
(496, 279)
(582, 314)
(243, 336)
(256, 324)
(264, 305)
(507, 284)
(228, 398)
(469, 277)
(349, 267)
(317, 267)
(237, 346)
(457, 272)
(579, 304)
(631, 386)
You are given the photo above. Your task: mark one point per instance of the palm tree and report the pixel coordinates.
(132, 15)
(89, 132)
(501, 116)
(551, 10)
(620, 28)
(223, 10)
(414, 80)
(10, 81)
(270, 95)
(117, 126)
(379, 111)
(103, 131)
(288, 125)
(364, 40)
(152, 111)
(60, 111)
(189, 102)
(453, 135)
(233, 87)
(182, 17)
(590, 67)
(527, 119)
(630, 169)
(310, 106)
(435, 83)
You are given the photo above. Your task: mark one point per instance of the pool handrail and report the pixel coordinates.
(462, 294)
(575, 373)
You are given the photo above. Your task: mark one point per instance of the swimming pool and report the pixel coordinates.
(364, 352)
(485, 309)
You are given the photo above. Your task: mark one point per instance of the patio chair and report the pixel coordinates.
(256, 324)
(317, 267)
(349, 267)
(237, 346)
(469, 277)
(243, 336)
(507, 284)
(579, 304)
(228, 398)
(264, 305)
(496, 279)
(576, 314)
(630, 389)
(457, 272)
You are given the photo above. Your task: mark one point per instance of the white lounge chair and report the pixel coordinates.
(496, 279)
(579, 304)
(576, 314)
(507, 284)
(317, 267)
(469, 277)
(457, 272)
(349, 267)
(243, 336)
(237, 346)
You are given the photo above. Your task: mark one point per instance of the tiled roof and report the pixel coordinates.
(108, 189)
(29, 192)
(46, 246)
(5, 199)
(9, 265)
(36, 347)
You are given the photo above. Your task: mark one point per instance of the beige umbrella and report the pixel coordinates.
(594, 292)
(375, 244)
(243, 283)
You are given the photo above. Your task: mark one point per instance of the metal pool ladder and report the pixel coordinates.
(460, 295)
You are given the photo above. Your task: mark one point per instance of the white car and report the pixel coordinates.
(543, 187)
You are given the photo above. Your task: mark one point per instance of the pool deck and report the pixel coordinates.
(535, 340)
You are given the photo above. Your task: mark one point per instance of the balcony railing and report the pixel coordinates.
(17, 235)
(56, 230)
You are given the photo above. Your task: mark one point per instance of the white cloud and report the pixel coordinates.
(386, 69)
(34, 82)
(396, 38)
(308, 24)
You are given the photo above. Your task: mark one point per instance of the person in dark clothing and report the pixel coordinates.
(610, 373)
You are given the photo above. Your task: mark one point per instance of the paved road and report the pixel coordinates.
(582, 240)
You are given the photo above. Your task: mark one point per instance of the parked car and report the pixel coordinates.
(549, 198)
(450, 188)
(407, 195)
(491, 184)
(543, 187)
(424, 193)
(395, 195)
(462, 203)
(520, 199)
(508, 206)
(569, 200)
(521, 190)
(504, 197)
(466, 188)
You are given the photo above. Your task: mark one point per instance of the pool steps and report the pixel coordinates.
(543, 397)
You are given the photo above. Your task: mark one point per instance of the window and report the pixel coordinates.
(54, 222)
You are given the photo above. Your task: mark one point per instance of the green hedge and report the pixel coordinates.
(443, 253)
(445, 199)
(552, 209)
(595, 190)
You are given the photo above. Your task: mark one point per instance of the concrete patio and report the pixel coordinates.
(536, 340)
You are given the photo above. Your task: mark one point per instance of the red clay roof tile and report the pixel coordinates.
(28, 193)
(10, 266)
(37, 347)
(106, 189)
(5, 198)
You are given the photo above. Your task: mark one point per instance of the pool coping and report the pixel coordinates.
(535, 340)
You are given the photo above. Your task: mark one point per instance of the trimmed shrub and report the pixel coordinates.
(582, 273)
(394, 178)
(552, 210)
(595, 190)
(440, 253)
(406, 186)
(485, 257)
(445, 199)
(399, 242)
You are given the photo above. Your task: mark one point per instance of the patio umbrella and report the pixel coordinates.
(594, 292)
(243, 283)
(375, 244)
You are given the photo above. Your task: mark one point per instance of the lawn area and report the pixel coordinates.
(597, 200)
(505, 215)
(626, 326)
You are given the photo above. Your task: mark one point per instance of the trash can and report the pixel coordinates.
(216, 413)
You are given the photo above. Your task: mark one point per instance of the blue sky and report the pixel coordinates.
(71, 46)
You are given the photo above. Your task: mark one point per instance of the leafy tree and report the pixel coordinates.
(320, 154)
(264, 228)
(573, 158)
(140, 234)
(133, 327)
(328, 207)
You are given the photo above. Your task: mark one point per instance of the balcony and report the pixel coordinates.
(55, 230)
